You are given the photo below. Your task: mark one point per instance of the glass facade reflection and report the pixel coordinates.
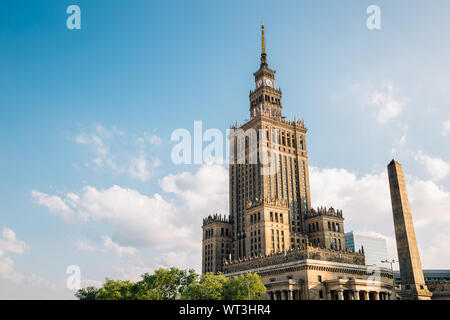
(375, 248)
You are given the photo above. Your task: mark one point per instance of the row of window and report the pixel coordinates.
(332, 226)
(274, 217)
(223, 232)
(266, 98)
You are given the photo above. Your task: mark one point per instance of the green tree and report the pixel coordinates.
(115, 290)
(165, 284)
(244, 287)
(88, 293)
(210, 287)
(171, 284)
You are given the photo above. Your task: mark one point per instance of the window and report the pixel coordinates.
(320, 294)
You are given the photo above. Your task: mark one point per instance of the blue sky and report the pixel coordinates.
(86, 117)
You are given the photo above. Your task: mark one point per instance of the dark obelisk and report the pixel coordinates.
(413, 283)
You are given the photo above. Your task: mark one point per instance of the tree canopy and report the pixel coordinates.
(173, 284)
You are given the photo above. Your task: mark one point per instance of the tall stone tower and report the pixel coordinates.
(269, 192)
(267, 209)
(413, 283)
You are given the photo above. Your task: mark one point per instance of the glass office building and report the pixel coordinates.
(375, 248)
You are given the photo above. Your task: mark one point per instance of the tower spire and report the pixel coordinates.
(263, 45)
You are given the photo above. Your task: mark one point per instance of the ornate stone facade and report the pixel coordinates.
(272, 228)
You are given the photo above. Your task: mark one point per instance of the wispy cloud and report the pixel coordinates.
(112, 149)
(384, 101)
(9, 244)
(436, 167)
(388, 105)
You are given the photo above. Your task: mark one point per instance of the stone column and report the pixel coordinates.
(291, 294)
(355, 295)
(366, 295)
(377, 295)
(340, 294)
(411, 273)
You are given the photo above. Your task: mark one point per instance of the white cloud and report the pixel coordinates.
(84, 245)
(39, 282)
(94, 140)
(436, 167)
(107, 245)
(387, 105)
(139, 220)
(141, 169)
(437, 255)
(365, 200)
(91, 283)
(134, 219)
(9, 243)
(8, 271)
(383, 100)
(121, 154)
(366, 206)
(204, 192)
(118, 249)
(446, 128)
(54, 203)
(133, 269)
(155, 140)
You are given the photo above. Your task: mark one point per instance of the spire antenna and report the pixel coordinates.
(263, 45)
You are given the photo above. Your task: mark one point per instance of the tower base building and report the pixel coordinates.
(272, 229)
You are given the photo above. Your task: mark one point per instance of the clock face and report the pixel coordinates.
(269, 82)
(259, 83)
